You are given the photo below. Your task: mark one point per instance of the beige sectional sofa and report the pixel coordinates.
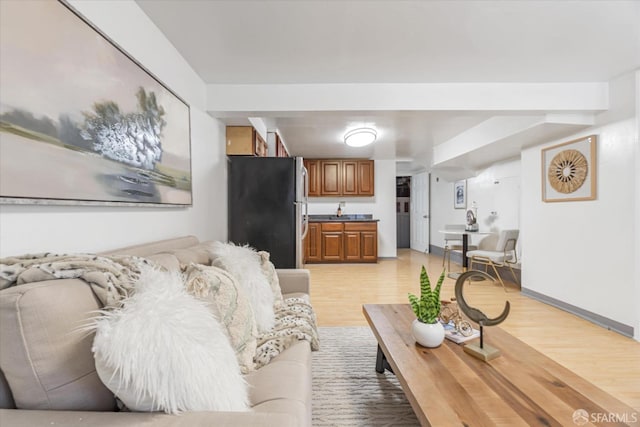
(48, 374)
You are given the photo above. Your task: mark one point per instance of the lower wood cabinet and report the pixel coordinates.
(332, 241)
(361, 245)
(313, 243)
(352, 246)
(369, 246)
(342, 242)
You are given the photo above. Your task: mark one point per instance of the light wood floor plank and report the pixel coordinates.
(604, 358)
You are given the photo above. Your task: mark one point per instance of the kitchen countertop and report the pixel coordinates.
(343, 218)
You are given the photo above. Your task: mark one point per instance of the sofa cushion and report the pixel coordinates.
(284, 385)
(295, 408)
(46, 360)
(166, 260)
(194, 254)
(159, 246)
(230, 304)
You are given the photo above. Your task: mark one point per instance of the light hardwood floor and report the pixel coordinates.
(605, 358)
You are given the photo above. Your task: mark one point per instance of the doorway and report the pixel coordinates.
(419, 208)
(403, 214)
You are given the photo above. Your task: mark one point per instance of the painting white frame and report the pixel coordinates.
(460, 194)
(102, 130)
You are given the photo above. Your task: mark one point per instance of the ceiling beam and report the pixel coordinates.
(530, 97)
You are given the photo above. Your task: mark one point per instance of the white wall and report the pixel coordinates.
(382, 206)
(585, 253)
(30, 228)
(495, 189)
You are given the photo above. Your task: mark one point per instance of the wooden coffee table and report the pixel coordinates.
(448, 387)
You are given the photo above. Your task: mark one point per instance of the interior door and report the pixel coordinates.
(419, 207)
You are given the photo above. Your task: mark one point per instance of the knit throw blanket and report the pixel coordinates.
(295, 320)
(112, 278)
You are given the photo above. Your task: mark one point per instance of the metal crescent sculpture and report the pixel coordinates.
(473, 313)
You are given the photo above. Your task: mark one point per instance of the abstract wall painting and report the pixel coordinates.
(80, 121)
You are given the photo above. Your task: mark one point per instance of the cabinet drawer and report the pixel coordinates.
(360, 226)
(332, 226)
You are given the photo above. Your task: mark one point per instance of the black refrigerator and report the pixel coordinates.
(267, 206)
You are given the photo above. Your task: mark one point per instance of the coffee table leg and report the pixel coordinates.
(381, 362)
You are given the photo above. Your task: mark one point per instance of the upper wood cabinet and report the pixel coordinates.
(366, 178)
(281, 150)
(313, 171)
(245, 141)
(349, 178)
(340, 177)
(330, 178)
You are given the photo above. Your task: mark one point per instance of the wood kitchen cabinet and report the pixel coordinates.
(361, 241)
(365, 178)
(330, 178)
(313, 176)
(313, 243)
(342, 242)
(332, 241)
(281, 150)
(349, 178)
(340, 177)
(352, 246)
(245, 141)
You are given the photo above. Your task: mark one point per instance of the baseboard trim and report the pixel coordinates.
(599, 320)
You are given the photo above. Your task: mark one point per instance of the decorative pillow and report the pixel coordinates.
(270, 273)
(243, 263)
(230, 304)
(165, 351)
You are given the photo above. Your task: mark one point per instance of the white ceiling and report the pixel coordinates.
(264, 42)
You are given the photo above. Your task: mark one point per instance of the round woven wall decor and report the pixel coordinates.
(568, 171)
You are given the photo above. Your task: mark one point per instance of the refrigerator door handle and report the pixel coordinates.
(305, 219)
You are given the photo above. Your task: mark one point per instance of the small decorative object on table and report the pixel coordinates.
(482, 351)
(450, 316)
(426, 329)
(472, 218)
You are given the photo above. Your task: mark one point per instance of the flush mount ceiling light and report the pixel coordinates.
(360, 137)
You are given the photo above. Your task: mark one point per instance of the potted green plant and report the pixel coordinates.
(426, 329)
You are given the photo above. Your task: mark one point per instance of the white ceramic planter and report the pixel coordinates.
(428, 334)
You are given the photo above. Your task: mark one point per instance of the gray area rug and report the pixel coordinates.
(347, 390)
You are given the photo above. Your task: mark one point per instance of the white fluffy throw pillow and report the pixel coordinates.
(245, 265)
(165, 351)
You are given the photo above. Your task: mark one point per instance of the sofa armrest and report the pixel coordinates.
(37, 418)
(294, 280)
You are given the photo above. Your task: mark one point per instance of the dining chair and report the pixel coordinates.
(453, 242)
(503, 254)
